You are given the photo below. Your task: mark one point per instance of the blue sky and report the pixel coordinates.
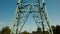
(8, 7)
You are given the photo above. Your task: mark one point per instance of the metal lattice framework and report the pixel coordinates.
(39, 14)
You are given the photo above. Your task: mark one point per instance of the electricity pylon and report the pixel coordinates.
(39, 12)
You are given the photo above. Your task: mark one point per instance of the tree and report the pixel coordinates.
(39, 29)
(5, 30)
(57, 29)
(0, 32)
(53, 29)
(25, 32)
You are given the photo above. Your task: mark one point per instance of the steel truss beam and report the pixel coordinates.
(23, 11)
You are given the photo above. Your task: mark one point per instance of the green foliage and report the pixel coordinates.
(5, 30)
(25, 32)
(53, 29)
(57, 29)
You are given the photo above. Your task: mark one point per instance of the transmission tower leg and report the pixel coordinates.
(20, 10)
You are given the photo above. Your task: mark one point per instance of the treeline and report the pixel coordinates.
(56, 30)
(7, 30)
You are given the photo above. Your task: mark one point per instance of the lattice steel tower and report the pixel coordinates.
(39, 14)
